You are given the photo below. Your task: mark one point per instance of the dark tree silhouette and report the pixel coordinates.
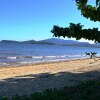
(89, 11)
(76, 30)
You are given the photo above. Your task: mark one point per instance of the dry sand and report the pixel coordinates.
(24, 80)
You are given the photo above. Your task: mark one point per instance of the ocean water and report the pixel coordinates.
(21, 53)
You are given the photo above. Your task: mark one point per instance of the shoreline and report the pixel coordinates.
(44, 62)
(26, 79)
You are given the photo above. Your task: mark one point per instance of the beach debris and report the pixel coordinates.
(91, 54)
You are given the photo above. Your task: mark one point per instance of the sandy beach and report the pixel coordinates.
(24, 80)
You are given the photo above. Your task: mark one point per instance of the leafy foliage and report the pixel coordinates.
(77, 31)
(86, 90)
(89, 11)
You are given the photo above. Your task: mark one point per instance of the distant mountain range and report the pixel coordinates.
(55, 41)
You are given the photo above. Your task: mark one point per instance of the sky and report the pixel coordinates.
(33, 19)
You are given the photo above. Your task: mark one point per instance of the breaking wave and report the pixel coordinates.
(17, 60)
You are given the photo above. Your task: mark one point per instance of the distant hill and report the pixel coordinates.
(27, 42)
(30, 41)
(56, 41)
(98, 44)
(38, 42)
(59, 41)
(63, 42)
(9, 41)
(66, 42)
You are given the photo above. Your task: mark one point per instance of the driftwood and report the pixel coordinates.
(91, 54)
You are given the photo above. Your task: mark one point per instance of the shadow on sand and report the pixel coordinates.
(28, 84)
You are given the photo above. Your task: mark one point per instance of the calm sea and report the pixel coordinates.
(21, 53)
